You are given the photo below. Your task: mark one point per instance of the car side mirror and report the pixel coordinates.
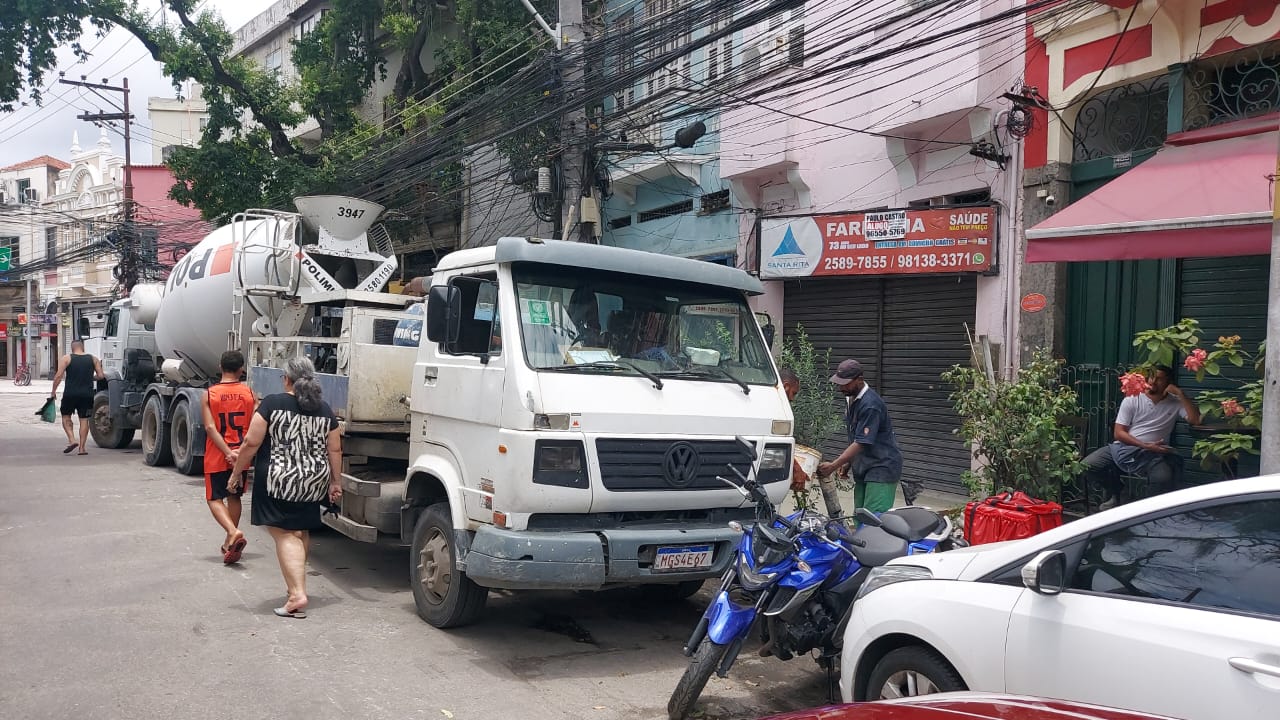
(1046, 573)
(443, 313)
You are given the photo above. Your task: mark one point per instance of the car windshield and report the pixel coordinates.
(570, 319)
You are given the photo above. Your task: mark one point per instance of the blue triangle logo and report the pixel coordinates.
(788, 246)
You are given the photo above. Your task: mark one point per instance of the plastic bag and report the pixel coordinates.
(49, 411)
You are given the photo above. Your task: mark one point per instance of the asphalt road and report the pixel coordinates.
(114, 603)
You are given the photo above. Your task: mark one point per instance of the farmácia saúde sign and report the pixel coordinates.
(889, 242)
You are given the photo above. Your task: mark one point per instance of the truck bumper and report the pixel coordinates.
(588, 560)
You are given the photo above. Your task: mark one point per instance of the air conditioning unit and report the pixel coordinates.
(31, 194)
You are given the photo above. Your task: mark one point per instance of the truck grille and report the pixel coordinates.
(667, 464)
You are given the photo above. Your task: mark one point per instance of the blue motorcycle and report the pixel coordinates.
(795, 578)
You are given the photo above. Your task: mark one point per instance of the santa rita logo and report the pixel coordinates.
(788, 246)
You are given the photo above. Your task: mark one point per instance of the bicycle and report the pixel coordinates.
(23, 376)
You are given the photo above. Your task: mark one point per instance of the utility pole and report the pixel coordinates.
(578, 208)
(1271, 376)
(579, 217)
(130, 255)
(127, 117)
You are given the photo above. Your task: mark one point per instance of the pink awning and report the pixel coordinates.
(1206, 199)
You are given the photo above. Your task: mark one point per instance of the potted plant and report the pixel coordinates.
(816, 407)
(1014, 427)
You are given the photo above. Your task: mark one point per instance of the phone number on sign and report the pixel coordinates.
(884, 262)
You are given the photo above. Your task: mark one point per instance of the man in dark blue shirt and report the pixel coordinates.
(873, 449)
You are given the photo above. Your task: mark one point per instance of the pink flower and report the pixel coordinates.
(1134, 383)
(1195, 361)
(1232, 407)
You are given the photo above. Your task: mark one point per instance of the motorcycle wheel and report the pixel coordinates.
(704, 662)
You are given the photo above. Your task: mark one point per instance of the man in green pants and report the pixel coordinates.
(873, 448)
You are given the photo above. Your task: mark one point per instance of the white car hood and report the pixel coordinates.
(945, 565)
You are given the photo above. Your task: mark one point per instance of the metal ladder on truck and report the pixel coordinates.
(268, 239)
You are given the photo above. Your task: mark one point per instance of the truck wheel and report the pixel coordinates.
(444, 595)
(674, 591)
(106, 433)
(182, 435)
(155, 434)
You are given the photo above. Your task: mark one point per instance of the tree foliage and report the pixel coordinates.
(249, 155)
(816, 409)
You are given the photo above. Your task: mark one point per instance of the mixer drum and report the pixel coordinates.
(195, 320)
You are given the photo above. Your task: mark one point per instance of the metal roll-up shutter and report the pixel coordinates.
(924, 336)
(1229, 297)
(905, 332)
(842, 314)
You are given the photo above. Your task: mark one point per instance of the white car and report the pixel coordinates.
(1169, 605)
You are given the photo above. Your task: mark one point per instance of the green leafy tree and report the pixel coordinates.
(1014, 428)
(247, 157)
(816, 407)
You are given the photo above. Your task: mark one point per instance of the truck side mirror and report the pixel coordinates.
(443, 313)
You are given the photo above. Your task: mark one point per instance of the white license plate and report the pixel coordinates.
(682, 557)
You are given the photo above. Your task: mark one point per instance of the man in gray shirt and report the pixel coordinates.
(1143, 426)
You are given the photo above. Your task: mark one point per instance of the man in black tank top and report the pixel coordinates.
(80, 369)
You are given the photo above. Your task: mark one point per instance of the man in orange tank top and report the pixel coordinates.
(227, 408)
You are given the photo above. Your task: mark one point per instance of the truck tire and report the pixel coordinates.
(155, 434)
(107, 434)
(682, 590)
(182, 438)
(445, 597)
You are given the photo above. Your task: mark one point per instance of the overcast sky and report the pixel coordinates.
(33, 131)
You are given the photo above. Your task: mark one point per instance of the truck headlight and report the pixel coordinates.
(775, 464)
(560, 462)
(890, 574)
(774, 457)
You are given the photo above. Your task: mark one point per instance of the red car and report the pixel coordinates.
(966, 706)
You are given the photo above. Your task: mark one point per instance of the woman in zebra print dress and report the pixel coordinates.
(298, 466)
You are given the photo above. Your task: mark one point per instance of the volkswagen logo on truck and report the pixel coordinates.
(680, 465)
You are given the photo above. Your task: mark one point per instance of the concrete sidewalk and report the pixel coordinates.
(38, 386)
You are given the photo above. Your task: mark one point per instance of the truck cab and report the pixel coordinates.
(127, 350)
(571, 408)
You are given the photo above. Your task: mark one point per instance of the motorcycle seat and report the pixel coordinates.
(921, 523)
(880, 548)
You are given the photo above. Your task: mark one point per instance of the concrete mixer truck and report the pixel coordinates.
(554, 417)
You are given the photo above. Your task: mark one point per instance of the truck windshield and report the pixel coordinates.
(570, 319)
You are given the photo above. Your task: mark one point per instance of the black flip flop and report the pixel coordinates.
(70, 447)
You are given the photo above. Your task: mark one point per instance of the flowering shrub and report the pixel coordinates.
(1241, 408)
(1195, 361)
(1134, 383)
